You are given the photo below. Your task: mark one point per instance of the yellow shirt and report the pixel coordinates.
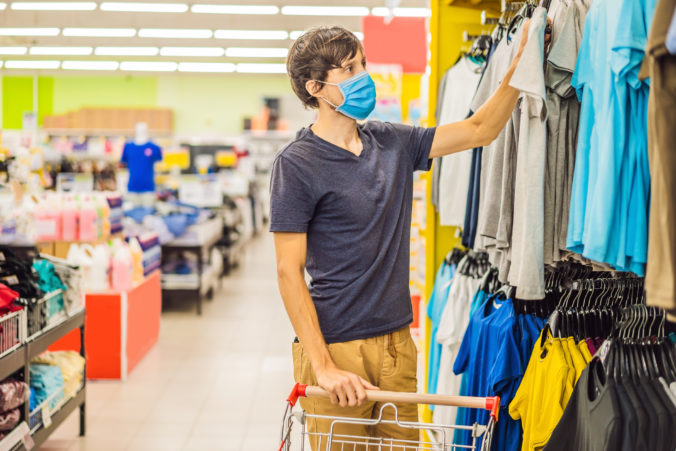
(544, 392)
(586, 353)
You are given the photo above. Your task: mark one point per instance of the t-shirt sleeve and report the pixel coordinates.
(418, 142)
(157, 153)
(291, 199)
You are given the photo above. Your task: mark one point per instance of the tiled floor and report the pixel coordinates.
(215, 382)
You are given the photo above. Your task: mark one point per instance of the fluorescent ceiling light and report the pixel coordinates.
(325, 10)
(235, 9)
(135, 7)
(90, 65)
(256, 52)
(298, 33)
(18, 64)
(258, 68)
(401, 12)
(148, 66)
(53, 6)
(13, 50)
(29, 31)
(2, 6)
(206, 67)
(170, 33)
(61, 51)
(100, 32)
(127, 51)
(251, 34)
(192, 51)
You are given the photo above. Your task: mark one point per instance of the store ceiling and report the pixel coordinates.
(254, 34)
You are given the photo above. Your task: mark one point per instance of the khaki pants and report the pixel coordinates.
(388, 362)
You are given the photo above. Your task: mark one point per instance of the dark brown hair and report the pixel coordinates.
(315, 53)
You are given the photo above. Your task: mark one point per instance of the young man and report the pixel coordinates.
(341, 200)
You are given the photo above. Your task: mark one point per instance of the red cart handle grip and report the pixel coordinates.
(297, 392)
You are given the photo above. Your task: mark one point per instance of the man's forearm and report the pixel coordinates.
(494, 114)
(303, 316)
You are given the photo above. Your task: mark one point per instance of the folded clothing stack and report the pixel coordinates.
(13, 394)
(71, 365)
(46, 380)
(116, 213)
(49, 282)
(152, 252)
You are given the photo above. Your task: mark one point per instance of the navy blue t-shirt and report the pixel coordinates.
(356, 211)
(140, 160)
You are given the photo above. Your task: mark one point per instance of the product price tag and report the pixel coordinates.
(11, 280)
(46, 416)
(28, 442)
(20, 434)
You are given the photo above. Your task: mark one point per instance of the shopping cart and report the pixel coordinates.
(437, 437)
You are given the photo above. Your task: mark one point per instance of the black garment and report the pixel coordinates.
(629, 421)
(652, 426)
(472, 206)
(643, 429)
(670, 430)
(655, 404)
(592, 420)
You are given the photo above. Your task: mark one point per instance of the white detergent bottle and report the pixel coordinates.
(98, 279)
(122, 268)
(80, 256)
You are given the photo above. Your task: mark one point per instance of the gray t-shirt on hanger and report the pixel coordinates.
(527, 266)
(356, 212)
(495, 212)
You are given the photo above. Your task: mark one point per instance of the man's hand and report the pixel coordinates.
(345, 388)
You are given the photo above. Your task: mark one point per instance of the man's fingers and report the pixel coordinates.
(342, 397)
(367, 385)
(359, 390)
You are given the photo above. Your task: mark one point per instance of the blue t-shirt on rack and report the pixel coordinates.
(435, 309)
(140, 160)
(483, 333)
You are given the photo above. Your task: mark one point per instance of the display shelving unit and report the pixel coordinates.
(200, 247)
(21, 438)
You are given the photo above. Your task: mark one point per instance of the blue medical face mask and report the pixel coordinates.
(359, 96)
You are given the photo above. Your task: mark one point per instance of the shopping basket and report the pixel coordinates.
(436, 437)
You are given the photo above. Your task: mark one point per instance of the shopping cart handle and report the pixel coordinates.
(491, 403)
(297, 392)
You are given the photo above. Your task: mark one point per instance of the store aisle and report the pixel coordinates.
(215, 382)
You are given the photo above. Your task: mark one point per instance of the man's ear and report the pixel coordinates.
(313, 87)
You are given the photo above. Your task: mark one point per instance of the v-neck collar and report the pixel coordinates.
(334, 147)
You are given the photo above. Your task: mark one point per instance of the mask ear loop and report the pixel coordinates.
(335, 107)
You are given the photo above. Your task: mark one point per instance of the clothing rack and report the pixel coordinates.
(485, 20)
(467, 37)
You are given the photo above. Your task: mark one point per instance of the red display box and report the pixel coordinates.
(120, 329)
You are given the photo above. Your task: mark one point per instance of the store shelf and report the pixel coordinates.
(42, 342)
(12, 362)
(100, 132)
(12, 441)
(59, 417)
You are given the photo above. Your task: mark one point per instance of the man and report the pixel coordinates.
(341, 200)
